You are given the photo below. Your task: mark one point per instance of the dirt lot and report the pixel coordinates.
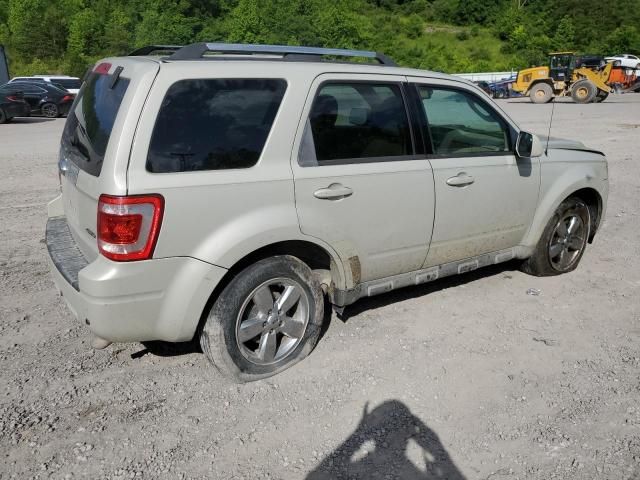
(466, 378)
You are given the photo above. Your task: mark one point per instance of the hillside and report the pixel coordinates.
(56, 36)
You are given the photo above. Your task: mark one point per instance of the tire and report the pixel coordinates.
(50, 110)
(541, 93)
(3, 117)
(584, 91)
(270, 343)
(602, 96)
(561, 245)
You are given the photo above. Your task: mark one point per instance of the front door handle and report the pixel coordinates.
(461, 180)
(335, 191)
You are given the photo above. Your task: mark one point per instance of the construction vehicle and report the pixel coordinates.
(585, 78)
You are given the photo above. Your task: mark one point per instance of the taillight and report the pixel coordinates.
(68, 98)
(13, 98)
(102, 68)
(128, 227)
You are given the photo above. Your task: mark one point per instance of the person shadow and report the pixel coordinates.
(389, 443)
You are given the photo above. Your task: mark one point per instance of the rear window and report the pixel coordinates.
(214, 124)
(67, 83)
(89, 124)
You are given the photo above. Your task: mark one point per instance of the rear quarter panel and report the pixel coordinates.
(220, 216)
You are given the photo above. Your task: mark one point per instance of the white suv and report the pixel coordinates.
(226, 192)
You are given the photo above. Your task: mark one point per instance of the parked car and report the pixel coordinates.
(626, 60)
(225, 197)
(71, 84)
(45, 99)
(12, 104)
(485, 87)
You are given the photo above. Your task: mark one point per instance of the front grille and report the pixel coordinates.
(64, 251)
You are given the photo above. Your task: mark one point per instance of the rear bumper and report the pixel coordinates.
(159, 299)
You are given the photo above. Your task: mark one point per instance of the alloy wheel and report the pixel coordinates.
(272, 321)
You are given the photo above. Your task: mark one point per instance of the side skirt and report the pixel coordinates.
(342, 298)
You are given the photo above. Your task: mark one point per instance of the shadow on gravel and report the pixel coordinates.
(389, 442)
(167, 349)
(407, 293)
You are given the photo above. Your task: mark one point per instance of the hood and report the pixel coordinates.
(565, 144)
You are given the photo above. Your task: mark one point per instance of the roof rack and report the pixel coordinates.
(156, 49)
(196, 51)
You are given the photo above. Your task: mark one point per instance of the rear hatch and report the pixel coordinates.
(96, 141)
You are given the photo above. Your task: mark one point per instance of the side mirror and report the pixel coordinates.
(529, 145)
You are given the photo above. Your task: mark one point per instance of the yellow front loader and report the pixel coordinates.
(567, 74)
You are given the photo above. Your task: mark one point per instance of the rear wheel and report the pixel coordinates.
(50, 110)
(584, 91)
(541, 93)
(563, 241)
(3, 117)
(267, 319)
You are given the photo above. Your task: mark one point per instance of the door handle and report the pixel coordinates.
(335, 191)
(461, 180)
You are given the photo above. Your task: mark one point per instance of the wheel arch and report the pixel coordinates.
(566, 186)
(318, 257)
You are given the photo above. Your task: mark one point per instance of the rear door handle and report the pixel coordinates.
(335, 191)
(461, 180)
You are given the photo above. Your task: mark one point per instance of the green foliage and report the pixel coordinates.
(54, 36)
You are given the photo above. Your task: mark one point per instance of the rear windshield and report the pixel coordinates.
(67, 83)
(89, 124)
(214, 124)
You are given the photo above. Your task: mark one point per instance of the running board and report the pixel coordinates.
(342, 298)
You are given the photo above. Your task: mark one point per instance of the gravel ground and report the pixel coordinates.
(467, 378)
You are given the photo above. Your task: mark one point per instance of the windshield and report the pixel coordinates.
(89, 124)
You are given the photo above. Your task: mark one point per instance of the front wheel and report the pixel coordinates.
(265, 320)
(563, 241)
(50, 110)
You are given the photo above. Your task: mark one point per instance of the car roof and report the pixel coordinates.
(278, 66)
(275, 57)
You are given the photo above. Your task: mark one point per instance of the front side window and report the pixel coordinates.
(356, 121)
(460, 124)
(214, 124)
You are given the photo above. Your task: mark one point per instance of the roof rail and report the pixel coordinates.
(198, 50)
(157, 49)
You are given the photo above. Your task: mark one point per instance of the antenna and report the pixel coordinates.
(553, 107)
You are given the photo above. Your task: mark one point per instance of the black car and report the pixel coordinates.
(44, 98)
(12, 104)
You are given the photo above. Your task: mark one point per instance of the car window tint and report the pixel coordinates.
(67, 83)
(461, 124)
(351, 121)
(31, 89)
(214, 124)
(89, 125)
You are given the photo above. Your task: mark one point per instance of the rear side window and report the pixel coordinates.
(67, 83)
(356, 122)
(214, 124)
(89, 124)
